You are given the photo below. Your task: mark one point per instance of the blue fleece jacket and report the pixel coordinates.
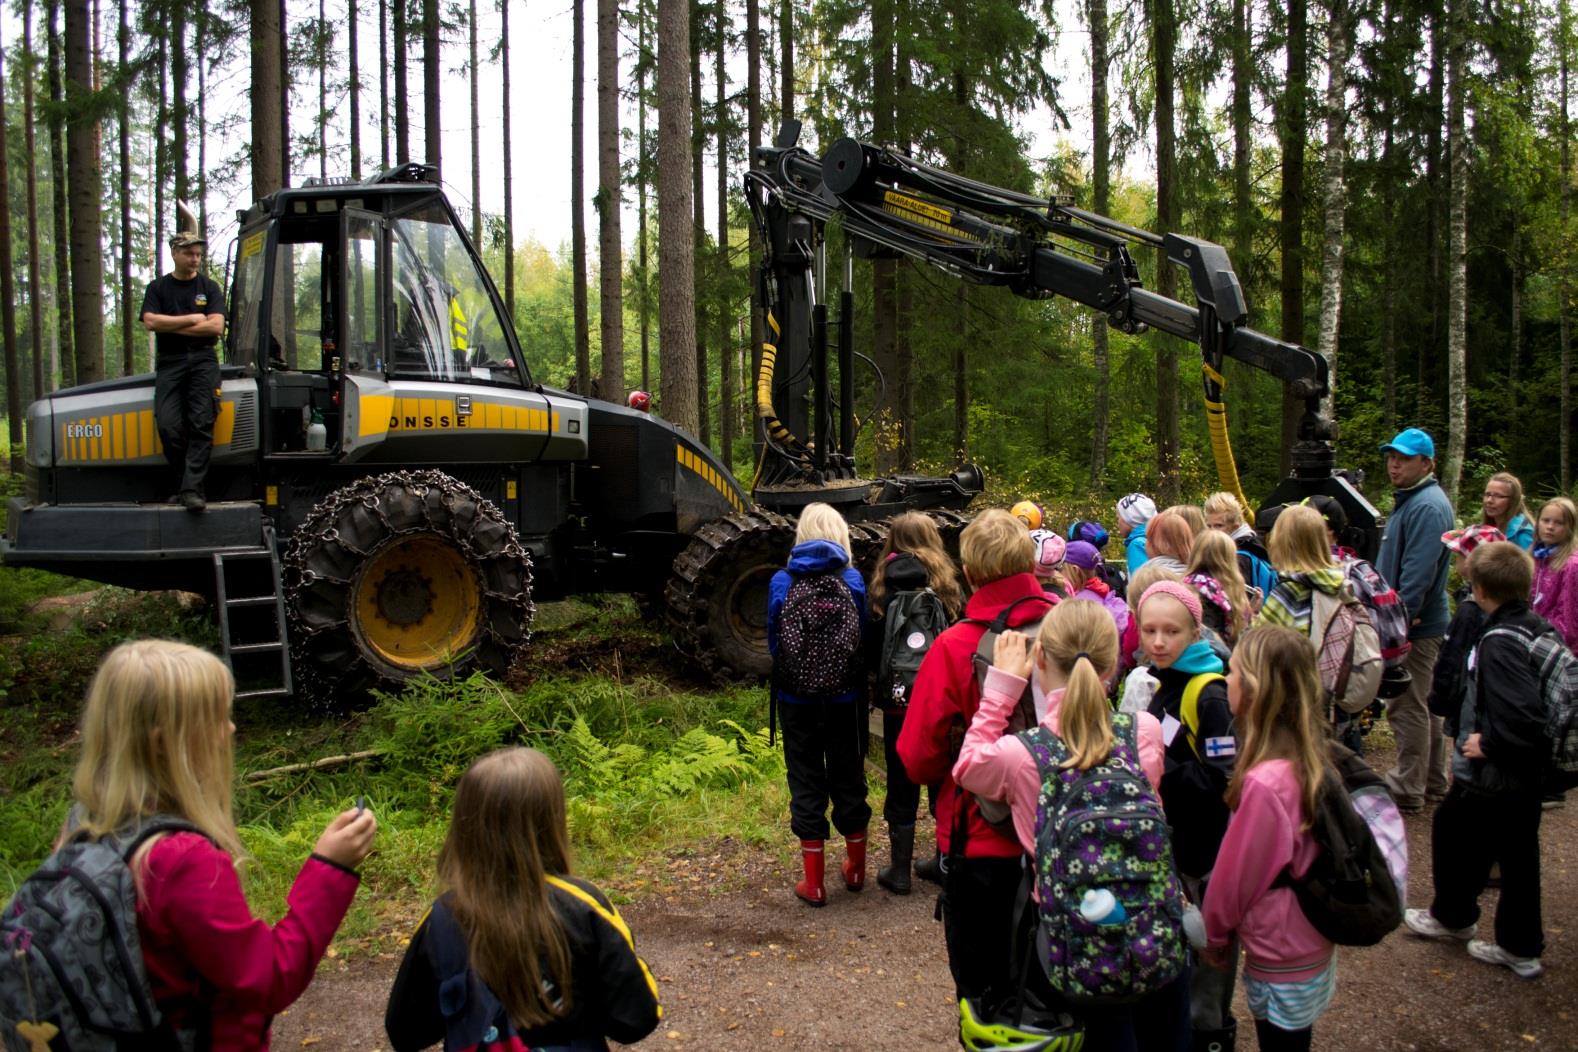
(1134, 545)
(810, 558)
(1414, 561)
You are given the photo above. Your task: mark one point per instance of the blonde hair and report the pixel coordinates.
(1515, 503)
(822, 522)
(506, 837)
(1280, 711)
(1192, 516)
(1216, 556)
(1299, 542)
(1558, 558)
(996, 545)
(1169, 534)
(1079, 638)
(1143, 578)
(914, 533)
(1224, 503)
(156, 738)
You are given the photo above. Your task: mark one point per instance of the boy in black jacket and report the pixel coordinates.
(1492, 812)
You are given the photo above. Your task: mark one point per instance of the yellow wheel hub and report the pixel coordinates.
(418, 603)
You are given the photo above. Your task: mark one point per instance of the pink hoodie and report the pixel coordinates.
(1001, 768)
(1263, 837)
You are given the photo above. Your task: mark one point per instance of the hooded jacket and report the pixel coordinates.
(943, 705)
(1134, 548)
(1520, 531)
(1414, 561)
(1193, 784)
(1556, 596)
(1292, 602)
(1503, 705)
(1098, 591)
(805, 560)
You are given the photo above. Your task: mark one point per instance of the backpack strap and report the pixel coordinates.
(1189, 708)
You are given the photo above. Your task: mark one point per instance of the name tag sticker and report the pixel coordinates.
(1170, 727)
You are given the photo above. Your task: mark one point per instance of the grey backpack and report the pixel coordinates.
(71, 965)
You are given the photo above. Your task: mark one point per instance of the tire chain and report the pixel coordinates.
(498, 542)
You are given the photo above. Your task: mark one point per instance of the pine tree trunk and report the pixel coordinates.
(35, 303)
(282, 50)
(786, 58)
(1389, 247)
(1243, 117)
(476, 130)
(268, 147)
(178, 79)
(402, 100)
(1164, 33)
(583, 349)
(509, 164)
(610, 247)
(1437, 220)
(1334, 194)
(1293, 118)
(643, 169)
(14, 383)
(676, 222)
(1515, 324)
(903, 377)
(1101, 153)
(321, 49)
(161, 151)
(86, 189)
(123, 139)
(699, 230)
(753, 138)
(1457, 320)
(884, 272)
(1563, 282)
(354, 85)
(432, 72)
(65, 347)
(726, 400)
(200, 44)
(383, 83)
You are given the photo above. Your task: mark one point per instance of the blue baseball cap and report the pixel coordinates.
(1412, 442)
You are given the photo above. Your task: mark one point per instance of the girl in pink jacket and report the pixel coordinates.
(1290, 970)
(1076, 651)
(1555, 575)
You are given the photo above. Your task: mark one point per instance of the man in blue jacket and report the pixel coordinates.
(1414, 562)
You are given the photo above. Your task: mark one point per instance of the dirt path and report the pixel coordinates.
(753, 969)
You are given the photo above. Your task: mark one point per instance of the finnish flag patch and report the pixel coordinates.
(1215, 747)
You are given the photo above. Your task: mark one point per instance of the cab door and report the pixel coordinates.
(366, 400)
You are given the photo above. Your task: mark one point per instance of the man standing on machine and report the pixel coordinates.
(186, 312)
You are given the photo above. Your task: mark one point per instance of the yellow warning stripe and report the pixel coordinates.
(713, 477)
(132, 435)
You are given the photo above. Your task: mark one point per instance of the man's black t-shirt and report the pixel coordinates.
(166, 295)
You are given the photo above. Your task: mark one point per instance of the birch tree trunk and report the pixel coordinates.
(1334, 194)
(1457, 307)
(86, 189)
(676, 223)
(583, 349)
(1100, 162)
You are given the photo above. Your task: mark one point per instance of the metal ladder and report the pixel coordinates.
(251, 608)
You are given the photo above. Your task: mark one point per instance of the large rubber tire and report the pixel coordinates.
(402, 575)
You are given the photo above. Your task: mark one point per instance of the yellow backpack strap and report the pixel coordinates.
(1189, 710)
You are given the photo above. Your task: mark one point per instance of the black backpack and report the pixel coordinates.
(913, 621)
(1353, 892)
(819, 638)
(71, 966)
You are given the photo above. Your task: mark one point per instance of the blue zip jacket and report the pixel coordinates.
(812, 557)
(1520, 531)
(1414, 561)
(1134, 545)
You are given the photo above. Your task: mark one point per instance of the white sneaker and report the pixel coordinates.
(1490, 953)
(1420, 922)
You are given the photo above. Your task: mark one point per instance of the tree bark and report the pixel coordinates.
(583, 348)
(14, 384)
(321, 53)
(1101, 153)
(476, 129)
(200, 45)
(1563, 282)
(161, 149)
(1334, 193)
(786, 58)
(884, 272)
(57, 167)
(383, 83)
(86, 189)
(1437, 219)
(726, 382)
(267, 121)
(644, 282)
(698, 201)
(432, 56)
(1294, 119)
(753, 138)
(402, 100)
(35, 304)
(610, 247)
(123, 141)
(509, 164)
(1389, 245)
(1457, 308)
(178, 108)
(676, 223)
(354, 85)
(1164, 33)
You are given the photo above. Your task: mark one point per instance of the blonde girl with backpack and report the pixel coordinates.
(1290, 969)
(912, 558)
(543, 957)
(816, 614)
(157, 742)
(1072, 658)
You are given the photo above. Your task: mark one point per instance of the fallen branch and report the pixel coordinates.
(313, 765)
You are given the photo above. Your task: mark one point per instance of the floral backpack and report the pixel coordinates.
(1103, 829)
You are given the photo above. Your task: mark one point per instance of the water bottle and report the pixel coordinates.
(1100, 906)
(317, 434)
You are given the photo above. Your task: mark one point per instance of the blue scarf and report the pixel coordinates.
(1544, 551)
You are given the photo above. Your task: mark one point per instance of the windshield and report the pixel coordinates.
(445, 324)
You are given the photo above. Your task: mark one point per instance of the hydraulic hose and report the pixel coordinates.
(777, 433)
(1221, 445)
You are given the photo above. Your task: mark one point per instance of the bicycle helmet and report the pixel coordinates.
(1029, 513)
(1040, 1032)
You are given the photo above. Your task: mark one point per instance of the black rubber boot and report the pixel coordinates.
(930, 868)
(1216, 1040)
(896, 875)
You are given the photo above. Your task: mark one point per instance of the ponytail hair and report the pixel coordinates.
(1079, 638)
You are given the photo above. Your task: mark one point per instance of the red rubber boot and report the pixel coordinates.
(810, 889)
(854, 867)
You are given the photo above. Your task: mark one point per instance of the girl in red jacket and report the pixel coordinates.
(1290, 971)
(517, 953)
(157, 739)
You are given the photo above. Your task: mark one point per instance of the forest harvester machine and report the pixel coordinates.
(452, 488)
